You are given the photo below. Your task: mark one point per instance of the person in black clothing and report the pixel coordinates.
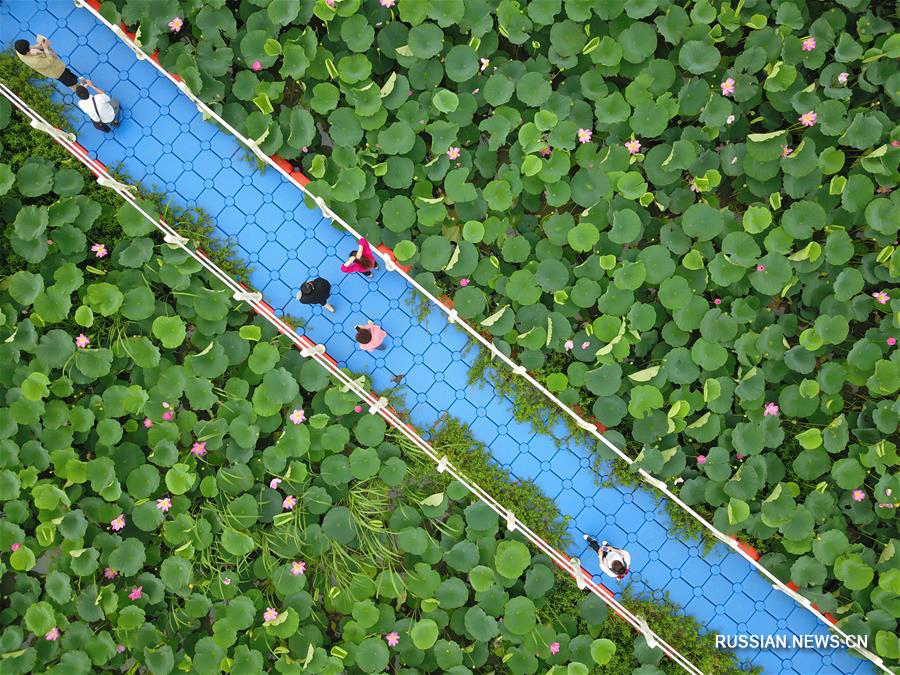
(315, 292)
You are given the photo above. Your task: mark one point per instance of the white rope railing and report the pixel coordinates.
(452, 318)
(376, 404)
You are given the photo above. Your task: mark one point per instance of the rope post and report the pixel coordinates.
(359, 382)
(510, 521)
(648, 634)
(580, 581)
(378, 406)
(112, 183)
(174, 240)
(250, 297)
(318, 350)
(452, 316)
(40, 125)
(442, 464)
(655, 482)
(519, 369)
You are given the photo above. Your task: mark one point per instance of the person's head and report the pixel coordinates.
(22, 46)
(363, 335)
(306, 288)
(82, 93)
(618, 567)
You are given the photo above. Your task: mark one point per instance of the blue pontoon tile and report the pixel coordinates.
(287, 197)
(326, 232)
(277, 292)
(273, 256)
(166, 130)
(565, 463)
(549, 484)
(416, 340)
(656, 573)
(500, 409)
(441, 395)
(717, 588)
(246, 197)
(183, 110)
(162, 92)
(399, 361)
(675, 553)
(734, 567)
(22, 10)
(756, 586)
(457, 374)
(64, 41)
(523, 464)
(423, 414)
(168, 167)
(419, 378)
(462, 409)
(484, 430)
(186, 148)
(359, 361)
(353, 287)
(190, 187)
(585, 483)
(455, 338)
(700, 608)
(437, 356)
(738, 607)
(271, 218)
(226, 147)
(652, 535)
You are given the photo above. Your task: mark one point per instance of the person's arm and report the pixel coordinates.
(44, 44)
(94, 87)
(359, 251)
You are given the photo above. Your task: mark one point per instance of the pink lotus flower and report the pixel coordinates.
(136, 593)
(584, 135)
(274, 483)
(843, 77)
(808, 44)
(198, 449)
(568, 345)
(270, 614)
(729, 119)
(52, 634)
(176, 24)
(881, 297)
(117, 523)
(298, 416)
(393, 639)
(545, 151)
(298, 568)
(786, 151)
(760, 268)
(464, 282)
(168, 415)
(49, 242)
(858, 495)
(741, 456)
(165, 404)
(148, 423)
(892, 341)
(585, 344)
(257, 65)
(99, 250)
(289, 502)
(357, 409)
(82, 341)
(633, 146)
(15, 547)
(895, 144)
(808, 119)
(330, 3)
(387, 3)
(120, 648)
(110, 573)
(770, 409)
(453, 152)
(701, 459)
(226, 581)
(554, 648)
(727, 86)
(484, 64)
(717, 301)
(164, 504)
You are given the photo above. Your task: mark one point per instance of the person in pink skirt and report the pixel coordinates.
(370, 337)
(361, 260)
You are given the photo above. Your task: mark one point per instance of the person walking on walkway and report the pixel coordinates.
(102, 110)
(613, 561)
(315, 292)
(41, 58)
(370, 337)
(361, 260)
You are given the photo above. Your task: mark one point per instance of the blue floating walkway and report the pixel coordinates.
(164, 142)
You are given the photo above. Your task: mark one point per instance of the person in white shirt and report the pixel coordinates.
(613, 561)
(102, 110)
